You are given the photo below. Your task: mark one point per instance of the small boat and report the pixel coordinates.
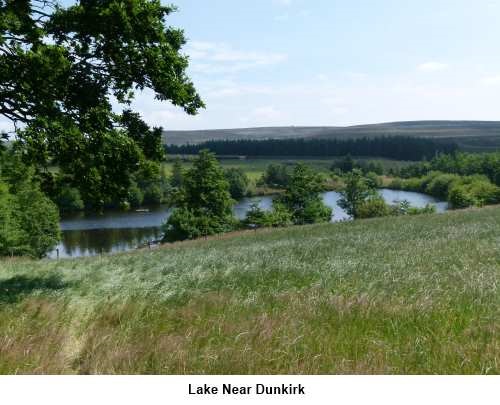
(142, 210)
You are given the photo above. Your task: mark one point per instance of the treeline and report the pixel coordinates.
(401, 148)
(461, 163)
(462, 179)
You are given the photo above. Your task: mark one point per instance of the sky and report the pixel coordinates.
(335, 62)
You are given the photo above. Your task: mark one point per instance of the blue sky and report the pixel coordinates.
(336, 62)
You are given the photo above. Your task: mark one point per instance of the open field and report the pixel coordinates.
(405, 295)
(472, 136)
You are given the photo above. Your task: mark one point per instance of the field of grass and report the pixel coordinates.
(405, 295)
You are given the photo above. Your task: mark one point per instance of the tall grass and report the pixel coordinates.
(405, 295)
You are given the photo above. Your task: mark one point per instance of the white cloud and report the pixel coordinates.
(209, 57)
(237, 90)
(432, 66)
(491, 80)
(267, 114)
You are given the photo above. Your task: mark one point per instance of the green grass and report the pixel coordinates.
(416, 295)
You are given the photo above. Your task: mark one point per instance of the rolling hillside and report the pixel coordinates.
(470, 135)
(409, 295)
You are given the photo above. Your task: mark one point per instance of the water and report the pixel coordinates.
(118, 231)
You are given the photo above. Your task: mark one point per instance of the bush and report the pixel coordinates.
(440, 185)
(238, 182)
(30, 222)
(135, 195)
(68, 199)
(279, 216)
(461, 197)
(153, 194)
(372, 208)
(185, 223)
(428, 209)
(276, 175)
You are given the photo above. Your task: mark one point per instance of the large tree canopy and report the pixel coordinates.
(60, 68)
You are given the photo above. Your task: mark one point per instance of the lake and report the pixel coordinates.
(85, 234)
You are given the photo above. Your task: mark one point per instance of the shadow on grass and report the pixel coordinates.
(15, 288)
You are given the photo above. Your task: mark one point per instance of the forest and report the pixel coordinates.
(401, 148)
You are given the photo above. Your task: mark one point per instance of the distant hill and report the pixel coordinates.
(470, 135)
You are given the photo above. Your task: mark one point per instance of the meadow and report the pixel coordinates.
(409, 295)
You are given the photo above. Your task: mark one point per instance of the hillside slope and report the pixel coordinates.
(409, 295)
(470, 135)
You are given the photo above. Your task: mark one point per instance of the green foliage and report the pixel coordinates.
(238, 182)
(68, 199)
(276, 175)
(135, 195)
(177, 176)
(440, 185)
(302, 197)
(345, 164)
(463, 164)
(60, 67)
(460, 197)
(279, 216)
(203, 204)
(373, 207)
(357, 190)
(29, 222)
(459, 191)
(38, 218)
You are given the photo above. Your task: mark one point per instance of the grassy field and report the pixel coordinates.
(405, 295)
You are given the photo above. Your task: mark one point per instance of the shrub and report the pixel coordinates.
(440, 185)
(69, 199)
(153, 194)
(461, 197)
(238, 182)
(30, 222)
(279, 216)
(276, 175)
(135, 195)
(185, 223)
(373, 207)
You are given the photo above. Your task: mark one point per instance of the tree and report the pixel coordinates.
(346, 164)
(238, 182)
(276, 175)
(302, 197)
(177, 176)
(29, 221)
(203, 204)
(59, 69)
(357, 190)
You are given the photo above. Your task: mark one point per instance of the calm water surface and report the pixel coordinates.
(117, 231)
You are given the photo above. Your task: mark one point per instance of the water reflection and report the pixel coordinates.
(118, 231)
